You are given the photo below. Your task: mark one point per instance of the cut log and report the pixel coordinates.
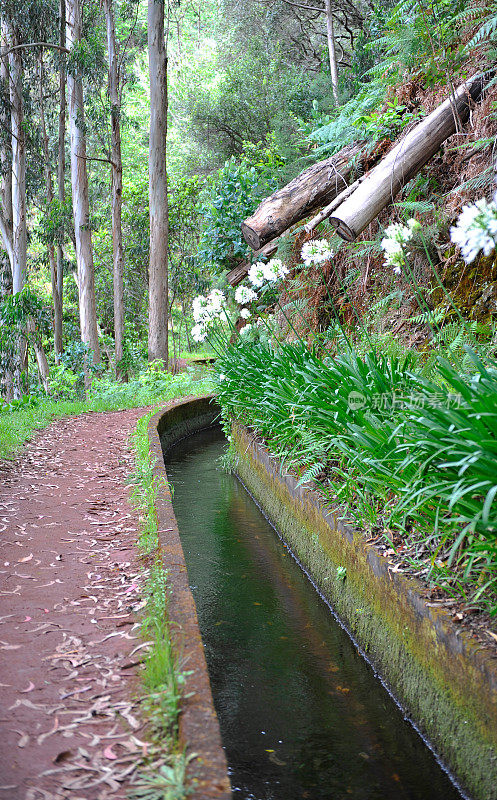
(318, 184)
(238, 273)
(378, 188)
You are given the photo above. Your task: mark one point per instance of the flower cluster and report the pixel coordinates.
(206, 310)
(209, 310)
(244, 294)
(394, 241)
(255, 332)
(260, 273)
(476, 229)
(316, 251)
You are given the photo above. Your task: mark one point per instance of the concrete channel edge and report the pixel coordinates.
(207, 772)
(443, 679)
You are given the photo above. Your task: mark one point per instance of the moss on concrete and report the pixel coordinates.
(445, 681)
(185, 418)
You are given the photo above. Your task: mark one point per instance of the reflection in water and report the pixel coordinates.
(301, 713)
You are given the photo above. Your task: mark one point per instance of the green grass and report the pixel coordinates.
(162, 677)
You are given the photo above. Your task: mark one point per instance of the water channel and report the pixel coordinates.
(302, 715)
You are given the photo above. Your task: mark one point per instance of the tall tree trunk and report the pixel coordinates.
(330, 31)
(117, 188)
(6, 158)
(6, 376)
(49, 192)
(80, 203)
(158, 311)
(19, 223)
(41, 359)
(187, 326)
(61, 189)
(19, 228)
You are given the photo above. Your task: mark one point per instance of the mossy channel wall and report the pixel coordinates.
(207, 770)
(445, 681)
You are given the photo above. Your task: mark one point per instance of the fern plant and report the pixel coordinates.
(487, 32)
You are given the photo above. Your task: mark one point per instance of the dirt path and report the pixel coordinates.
(70, 581)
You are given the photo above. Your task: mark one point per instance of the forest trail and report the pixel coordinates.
(70, 587)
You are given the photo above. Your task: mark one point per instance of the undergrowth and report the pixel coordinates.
(162, 677)
(20, 419)
(405, 455)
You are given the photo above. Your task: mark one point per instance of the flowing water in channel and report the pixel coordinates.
(302, 715)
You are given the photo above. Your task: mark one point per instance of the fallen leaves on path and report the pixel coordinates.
(76, 650)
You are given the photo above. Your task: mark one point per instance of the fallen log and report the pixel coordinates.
(378, 188)
(318, 184)
(238, 273)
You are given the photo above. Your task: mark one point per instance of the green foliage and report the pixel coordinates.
(421, 38)
(162, 678)
(342, 129)
(392, 446)
(22, 403)
(388, 123)
(167, 783)
(228, 201)
(15, 312)
(486, 18)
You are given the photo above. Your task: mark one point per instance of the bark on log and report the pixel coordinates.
(317, 185)
(238, 273)
(380, 186)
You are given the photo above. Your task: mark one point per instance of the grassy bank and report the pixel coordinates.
(407, 457)
(161, 677)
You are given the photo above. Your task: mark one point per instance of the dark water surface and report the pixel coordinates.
(301, 713)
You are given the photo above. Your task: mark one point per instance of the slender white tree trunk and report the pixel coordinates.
(80, 203)
(6, 376)
(49, 191)
(19, 241)
(61, 190)
(158, 310)
(41, 358)
(117, 187)
(331, 49)
(6, 158)
(19, 229)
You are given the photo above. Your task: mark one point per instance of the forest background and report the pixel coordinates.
(100, 265)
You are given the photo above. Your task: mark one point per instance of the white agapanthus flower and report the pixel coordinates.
(256, 274)
(216, 300)
(395, 239)
(208, 309)
(275, 270)
(476, 229)
(316, 252)
(244, 294)
(200, 308)
(199, 333)
(245, 313)
(246, 330)
(260, 273)
(222, 377)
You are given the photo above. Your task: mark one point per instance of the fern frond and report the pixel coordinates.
(415, 206)
(487, 31)
(312, 472)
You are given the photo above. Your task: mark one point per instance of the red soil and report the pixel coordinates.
(70, 587)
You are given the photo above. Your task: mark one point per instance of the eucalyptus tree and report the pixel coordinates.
(14, 230)
(58, 283)
(79, 183)
(158, 206)
(116, 183)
